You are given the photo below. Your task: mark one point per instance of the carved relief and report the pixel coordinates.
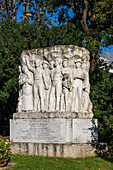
(55, 79)
(25, 92)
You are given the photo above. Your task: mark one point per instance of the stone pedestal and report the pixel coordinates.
(54, 109)
(53, 134)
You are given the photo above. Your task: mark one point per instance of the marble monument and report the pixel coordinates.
(54, 108)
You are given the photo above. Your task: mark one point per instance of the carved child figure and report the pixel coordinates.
(66, 83)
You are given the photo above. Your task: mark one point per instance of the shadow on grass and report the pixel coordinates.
(108, 159)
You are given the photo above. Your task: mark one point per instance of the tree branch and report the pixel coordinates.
(84, 17)
(74, 5)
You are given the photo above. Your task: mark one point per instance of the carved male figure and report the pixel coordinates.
(39, 82)
(52, 92)
(20, 90)
(78, 86)
(56, 87)
(46, 75)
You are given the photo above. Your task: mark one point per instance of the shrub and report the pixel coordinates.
(4, 150)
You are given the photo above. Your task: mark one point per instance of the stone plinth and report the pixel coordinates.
(54, 150)
(53, 115)
(64, 137)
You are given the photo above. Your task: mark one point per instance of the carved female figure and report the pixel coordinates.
(26, 82)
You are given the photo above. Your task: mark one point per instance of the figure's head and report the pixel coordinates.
(58, 61)
(45, 64)
(51, 64)
(78, 63)
(65, 76)
(24, 69)
(37, 63)
(65, 63)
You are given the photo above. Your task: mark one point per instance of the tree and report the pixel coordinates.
(102, 99)
(9, 8)
(93, 18)
(24, 10)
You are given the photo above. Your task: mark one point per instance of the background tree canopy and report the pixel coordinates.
(94, 18)
(28, 24)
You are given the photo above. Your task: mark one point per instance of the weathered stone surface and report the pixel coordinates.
(54, 150)
(54, 130)
(40, 115)
(55, 79)
(40, 130)
(85, 130)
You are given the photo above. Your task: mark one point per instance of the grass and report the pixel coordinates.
(46, 163)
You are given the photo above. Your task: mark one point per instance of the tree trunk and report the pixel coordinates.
(25, 10)
(93, 61)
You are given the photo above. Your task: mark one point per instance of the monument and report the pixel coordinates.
(54, 109)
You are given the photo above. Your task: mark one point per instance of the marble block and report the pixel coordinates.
(53, 130)
(85, 130)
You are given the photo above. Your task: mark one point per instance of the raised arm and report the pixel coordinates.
(29, 66)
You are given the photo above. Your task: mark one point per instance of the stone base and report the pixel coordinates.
(60, 137)
(54, 150)
(53, 115)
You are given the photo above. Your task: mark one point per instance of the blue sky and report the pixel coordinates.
(109, 49)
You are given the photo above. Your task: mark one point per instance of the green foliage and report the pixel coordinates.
(102, 98)
(92, 18)
(4, 149)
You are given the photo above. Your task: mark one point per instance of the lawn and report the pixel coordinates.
(46, 163)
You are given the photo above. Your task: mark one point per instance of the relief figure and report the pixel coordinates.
(46, 75)
(26, 82)
(20, 90)
(56, 87)
(52, 92)
(38, 86)
(78, 86)
(66, 84)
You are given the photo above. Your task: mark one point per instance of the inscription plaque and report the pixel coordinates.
(54, 130)
(85, 130)
(39, 130)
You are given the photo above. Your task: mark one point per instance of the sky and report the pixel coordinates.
(108, 50)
